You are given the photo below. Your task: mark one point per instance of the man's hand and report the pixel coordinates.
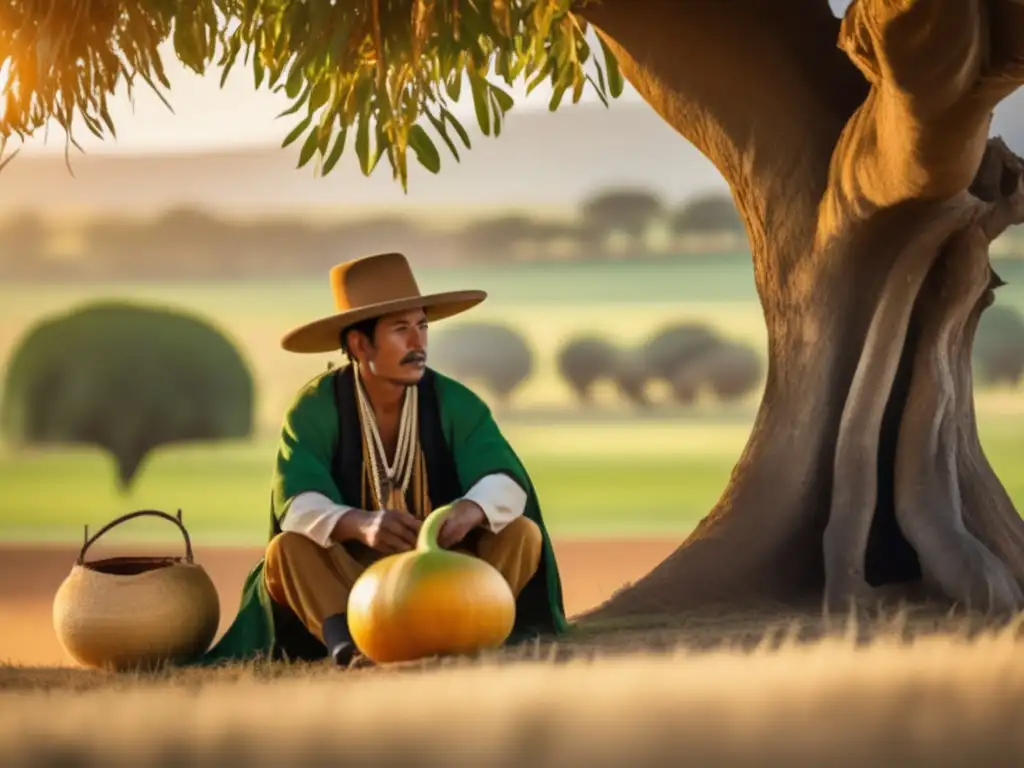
(387, 531)
(464, 516)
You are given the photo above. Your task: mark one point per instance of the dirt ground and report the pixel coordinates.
(30, 575)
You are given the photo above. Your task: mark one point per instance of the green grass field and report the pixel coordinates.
(610, 476)
(224, 490)
(593, 480)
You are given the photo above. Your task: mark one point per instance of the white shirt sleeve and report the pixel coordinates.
(313, 515)
(500, 497)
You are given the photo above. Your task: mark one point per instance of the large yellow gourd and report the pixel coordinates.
(429, 602)
(136, 612)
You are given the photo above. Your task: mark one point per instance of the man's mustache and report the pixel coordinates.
(414, 357)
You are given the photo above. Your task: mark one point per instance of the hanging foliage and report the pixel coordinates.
(378, 75)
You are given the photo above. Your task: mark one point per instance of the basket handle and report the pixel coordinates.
(140, 513)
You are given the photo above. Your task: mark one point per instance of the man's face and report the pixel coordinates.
(399, 349)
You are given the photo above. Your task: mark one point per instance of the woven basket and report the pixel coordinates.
(136, 612)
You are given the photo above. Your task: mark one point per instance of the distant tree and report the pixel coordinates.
(187, 221)
(495, 239)
(729, 370)
(22, 243)
(733, 370)
(493, 354)
(629, 211)
(269, 245)
(999, 346)
(128, 379)
(674, 346)
(384, 232)
(707, 213)
(685, 383)
(551, 236)
(584, 360)
(115, 241)
(630, 374)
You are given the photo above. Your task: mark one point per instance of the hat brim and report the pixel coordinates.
(323, 335)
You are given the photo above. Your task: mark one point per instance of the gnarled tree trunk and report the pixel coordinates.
(870, 192)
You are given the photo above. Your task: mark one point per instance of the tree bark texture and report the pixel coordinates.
(857, 152)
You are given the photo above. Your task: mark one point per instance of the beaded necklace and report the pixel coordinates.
(387, 479)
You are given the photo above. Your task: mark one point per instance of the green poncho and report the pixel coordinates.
(320, 451)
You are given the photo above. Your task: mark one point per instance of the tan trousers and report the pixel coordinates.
(314, 582)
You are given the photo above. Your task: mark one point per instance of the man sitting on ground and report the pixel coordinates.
(367, 451)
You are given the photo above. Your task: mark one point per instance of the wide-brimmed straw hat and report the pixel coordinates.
(373, 286)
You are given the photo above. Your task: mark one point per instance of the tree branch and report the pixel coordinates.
(937, 68)
(758, 86)
(1002, 176)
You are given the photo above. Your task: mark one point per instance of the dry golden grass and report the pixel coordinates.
(910, 691)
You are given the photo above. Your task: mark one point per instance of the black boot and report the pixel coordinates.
(340, 645)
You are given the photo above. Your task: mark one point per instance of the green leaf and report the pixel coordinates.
(293, 85)
(319, 95)
(258, 71)
(615, 82)
(546, 70)
(91, 124)
(448, 117)
(556, 96)
(231, 55)
(336, 151)
(105, 116)
(249, 12)
(5, 160)
(275, 71)
(453, 86)
(517, 68)
(481, 103)
(281, 39)
(363, 140)
(442, 131)
(158, 70)
(424, 148)
(578, 86)
(383, 145)
(600, 91)
(297, 131)
(501, 15)
(183, 44)
(298, 102)
(505, 101)
(309, 147)
(149, 81)
(503, 65)
(600, 79)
